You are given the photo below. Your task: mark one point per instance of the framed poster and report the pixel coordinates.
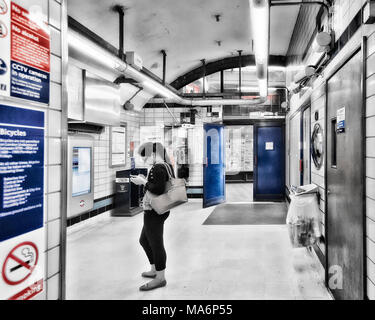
(118, 146)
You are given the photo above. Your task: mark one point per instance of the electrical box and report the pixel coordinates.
(134, 60)
(80, 174)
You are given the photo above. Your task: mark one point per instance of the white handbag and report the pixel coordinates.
(174, 194)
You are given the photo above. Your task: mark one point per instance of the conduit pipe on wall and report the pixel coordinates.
(88, 53)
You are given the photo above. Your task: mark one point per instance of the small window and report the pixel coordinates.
(334, 143)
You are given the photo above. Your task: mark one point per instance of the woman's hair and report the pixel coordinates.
(147, 149)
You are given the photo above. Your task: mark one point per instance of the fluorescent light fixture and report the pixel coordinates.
(260, 25)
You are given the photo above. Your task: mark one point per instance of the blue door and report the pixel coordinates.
(213, 165)
(269, 162)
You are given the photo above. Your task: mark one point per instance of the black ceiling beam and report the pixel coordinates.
(223, 64)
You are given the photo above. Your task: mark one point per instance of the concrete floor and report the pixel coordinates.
(105, 260)
(239, 192)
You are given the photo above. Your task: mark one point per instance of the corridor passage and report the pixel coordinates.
(105, 260)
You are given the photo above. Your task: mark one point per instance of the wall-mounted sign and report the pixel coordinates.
(24, 53)
(269, 146)
(118, 148)
(341, 120)
(21, 202)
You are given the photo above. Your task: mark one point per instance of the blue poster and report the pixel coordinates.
(21, 171)
(29, 83)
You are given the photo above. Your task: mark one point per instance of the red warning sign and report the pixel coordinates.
(20, 263)
(30, 41)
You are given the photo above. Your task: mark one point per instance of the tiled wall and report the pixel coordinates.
(104, 175)
(344, 12)
(370, 166)
(54, 157)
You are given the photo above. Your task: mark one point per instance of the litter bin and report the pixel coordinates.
(128, 197)
(303, 216)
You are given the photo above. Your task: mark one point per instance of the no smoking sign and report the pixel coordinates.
(20, 263)
(21, 267)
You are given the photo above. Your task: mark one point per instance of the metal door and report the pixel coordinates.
(345, 204)
(295, 150)
(306, 154)
(269, 162)
(214, 165)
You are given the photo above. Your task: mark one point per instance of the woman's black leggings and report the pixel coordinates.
(152, 238)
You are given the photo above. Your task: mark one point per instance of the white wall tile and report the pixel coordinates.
(370, 187)
(370, 86)
(371, 45)
(55, 14)
(53, 287)
(53, 232)
(55, 73)
(54, 151)
(370, 127)
(371, 270)
(370, 106)
(54, 179)
(370, 290)
(370, 249)
(370, 208)
(55, 96)
(53, 258)
(55, 42)
(370, 226)
(370, 167)
(54, 206)
(54, 123)
(370, 147)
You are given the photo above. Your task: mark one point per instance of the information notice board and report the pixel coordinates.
(21, 202)
(24, 53)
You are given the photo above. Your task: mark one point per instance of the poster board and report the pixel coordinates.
(22, 240)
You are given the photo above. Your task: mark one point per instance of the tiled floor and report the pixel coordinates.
(239, 192)
(105, 260)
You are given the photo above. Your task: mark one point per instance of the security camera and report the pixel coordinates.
(323, 42)
(128, 106)
(304, 74)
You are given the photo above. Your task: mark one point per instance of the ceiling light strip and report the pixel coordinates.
(260, 28)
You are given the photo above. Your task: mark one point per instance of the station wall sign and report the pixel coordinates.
(24, 53)
(21, 202)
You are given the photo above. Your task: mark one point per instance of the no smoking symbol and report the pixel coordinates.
(20, 263)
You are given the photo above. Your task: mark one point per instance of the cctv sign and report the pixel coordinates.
(24, 52)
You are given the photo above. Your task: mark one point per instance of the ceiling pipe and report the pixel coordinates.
(240, 72)
(164, 64)
(204, 77)
(88, 53)
(121, 11)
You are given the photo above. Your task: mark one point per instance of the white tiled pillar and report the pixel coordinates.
(54, 148)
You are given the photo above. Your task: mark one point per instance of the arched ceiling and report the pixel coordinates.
(187, 30)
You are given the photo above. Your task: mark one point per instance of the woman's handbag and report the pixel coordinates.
(173, 196)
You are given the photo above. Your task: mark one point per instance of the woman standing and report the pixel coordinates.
(154, 155)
